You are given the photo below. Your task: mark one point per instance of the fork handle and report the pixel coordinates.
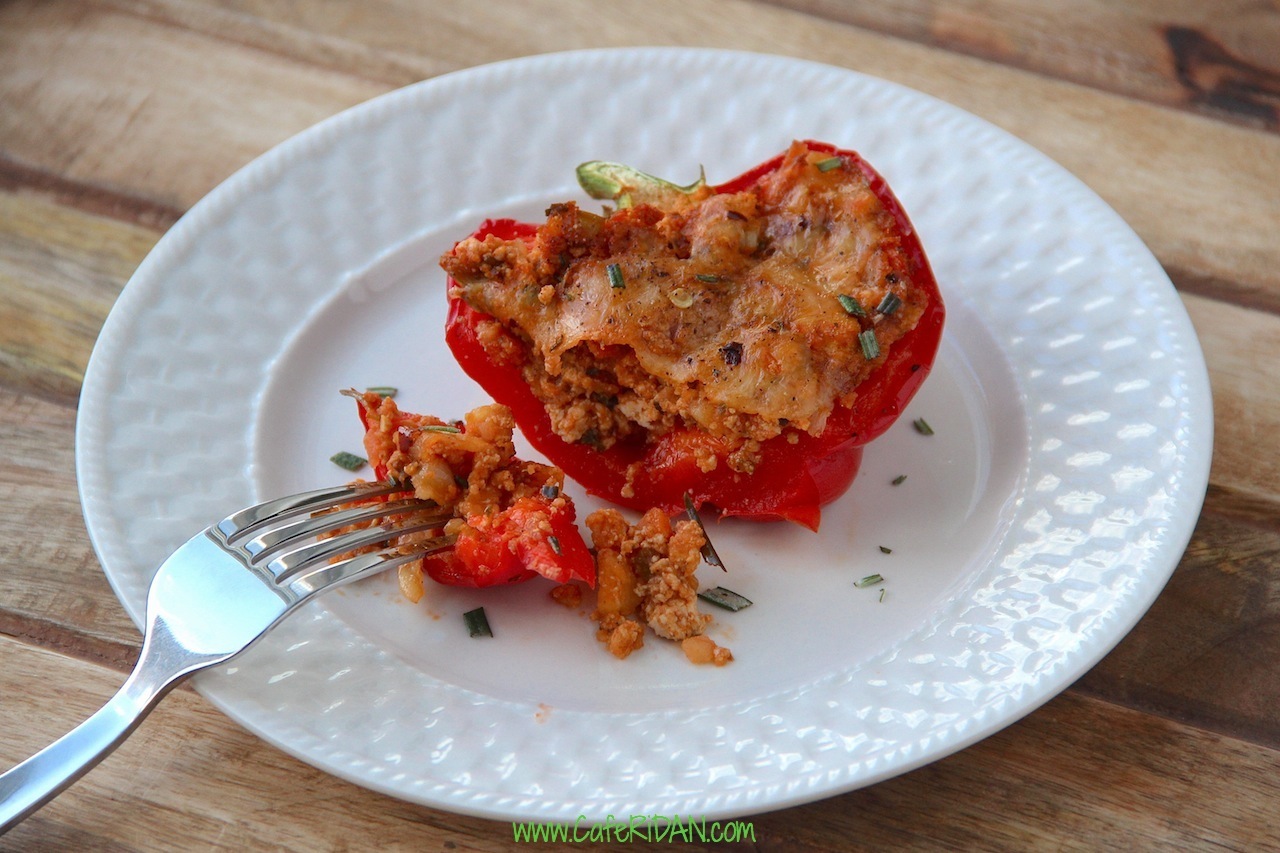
(41, 777)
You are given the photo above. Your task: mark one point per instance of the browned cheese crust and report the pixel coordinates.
(728, 317)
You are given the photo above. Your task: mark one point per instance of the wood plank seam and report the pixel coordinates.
(1259, 511)
(1212, 80)
(390, 68)
(1224, 290)
(16, 177)
(56, 637)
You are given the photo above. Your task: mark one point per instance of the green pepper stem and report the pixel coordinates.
(628, 187)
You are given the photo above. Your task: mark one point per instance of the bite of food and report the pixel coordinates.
(513, 522)
(647, 579)
(511, 518)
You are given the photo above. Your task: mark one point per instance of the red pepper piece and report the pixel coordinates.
(532, 537)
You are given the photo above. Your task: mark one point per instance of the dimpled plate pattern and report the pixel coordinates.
(1072, 439)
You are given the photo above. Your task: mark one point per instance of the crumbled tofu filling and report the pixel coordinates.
(645, 577)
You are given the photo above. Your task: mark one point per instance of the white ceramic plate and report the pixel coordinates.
(1071, 452)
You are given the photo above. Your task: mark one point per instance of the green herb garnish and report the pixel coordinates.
(708, 550)
(922, 426)
(830, 163)
(884, 550)
(383, 390)
(889, 304)
(477, 623)
(616, 281)
(882, 593)
(555, 545)
(851, 306)
(551, 491)
(349, 461)
(726, 598)
(869, 580)
(709, 278)
(870, 346)
(445, 428)
(899, 480)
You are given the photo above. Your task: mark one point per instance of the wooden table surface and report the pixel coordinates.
(118, 115)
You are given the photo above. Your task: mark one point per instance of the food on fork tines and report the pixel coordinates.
(737, 343)
(511, 519)
(512, 522)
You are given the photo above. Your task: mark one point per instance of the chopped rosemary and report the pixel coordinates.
(830, 163)
(726, 598)
(477, 623)
(851, 306)
(709, 278)
(922, 426)
(708, 550)
(899, 480)
(452, 430)
(870, 346)
(383, 390)
(555, 545)
(882, 593)
(616, 281)
(884, 550)
(349, 461)
(889, 304)
(869, 580)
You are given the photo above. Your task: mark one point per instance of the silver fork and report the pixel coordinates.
(217, 594)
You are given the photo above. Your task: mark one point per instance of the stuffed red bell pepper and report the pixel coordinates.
(737, 343)
(511, 518)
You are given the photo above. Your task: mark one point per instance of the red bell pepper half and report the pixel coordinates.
(796, 474)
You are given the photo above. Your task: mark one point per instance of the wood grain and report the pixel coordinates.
(60, 272)
(1154, 165)
(156, 126)
(52, 590)
(1201, 652)
(1219, 59)
(1242, 350)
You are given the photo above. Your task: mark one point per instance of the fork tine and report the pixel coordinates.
(301, 559)
(277, 538)
(247, 521)
(327, 575)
